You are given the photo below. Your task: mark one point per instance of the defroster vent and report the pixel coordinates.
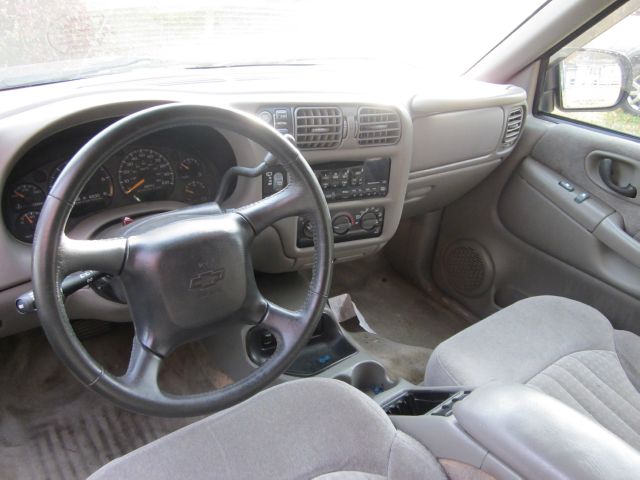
(378, 126)
(318, 127)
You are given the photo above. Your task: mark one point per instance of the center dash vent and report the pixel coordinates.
(378, 126)
(318, 127)
(514, 126)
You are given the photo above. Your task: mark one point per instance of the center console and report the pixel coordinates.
(339, 181)
(342, 182)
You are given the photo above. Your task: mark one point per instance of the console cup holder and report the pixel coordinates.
(369, 377)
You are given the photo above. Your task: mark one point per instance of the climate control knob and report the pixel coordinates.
(369, 221)
(341, 224)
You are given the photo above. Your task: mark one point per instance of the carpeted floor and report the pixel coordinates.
(51, 427)
(393, 307)
(408, 324)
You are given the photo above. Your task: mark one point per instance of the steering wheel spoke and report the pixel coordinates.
(105, 255)
(143, 371)
(287, 325)
(288, 202)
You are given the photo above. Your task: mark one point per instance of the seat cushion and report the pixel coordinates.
(518, 342)
(558, 346)
(302, 429)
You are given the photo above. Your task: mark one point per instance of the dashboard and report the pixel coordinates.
(182, 165)
(378, 159)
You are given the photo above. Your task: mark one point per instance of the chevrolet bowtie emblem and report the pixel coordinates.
(206, 279)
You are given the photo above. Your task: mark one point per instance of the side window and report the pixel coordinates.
(595, 78)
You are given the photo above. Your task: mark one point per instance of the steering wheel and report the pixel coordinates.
(184, 272)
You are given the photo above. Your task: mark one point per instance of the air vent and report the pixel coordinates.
(318, 127)
(514, 126)
(378, 126)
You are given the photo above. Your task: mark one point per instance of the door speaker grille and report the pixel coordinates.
(467, 268)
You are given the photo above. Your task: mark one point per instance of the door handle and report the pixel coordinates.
(605, 169)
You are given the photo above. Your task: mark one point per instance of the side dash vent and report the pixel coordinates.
(378, 126)
(514, 126)
(318, 127)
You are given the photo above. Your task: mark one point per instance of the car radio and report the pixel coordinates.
(339, 181)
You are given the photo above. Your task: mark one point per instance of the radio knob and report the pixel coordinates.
(369, 221)
(341, 224)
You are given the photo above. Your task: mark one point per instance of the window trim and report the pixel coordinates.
(542, 72)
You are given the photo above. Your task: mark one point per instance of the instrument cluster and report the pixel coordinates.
(172, 166)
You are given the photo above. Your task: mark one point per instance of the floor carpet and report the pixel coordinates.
(393, 307)
(51, 427)
(408, 324)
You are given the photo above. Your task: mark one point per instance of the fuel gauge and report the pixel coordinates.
(196, 192)
(26, 226)
(189, 168)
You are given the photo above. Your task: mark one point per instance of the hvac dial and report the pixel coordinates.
(146, 174)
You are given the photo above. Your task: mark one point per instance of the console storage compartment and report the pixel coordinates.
(421, 402)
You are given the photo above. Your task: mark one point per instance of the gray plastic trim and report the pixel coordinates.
(465, 94)
(540, 437)
(588, 213)
(611, 232)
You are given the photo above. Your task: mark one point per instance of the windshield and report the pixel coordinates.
(54, 40)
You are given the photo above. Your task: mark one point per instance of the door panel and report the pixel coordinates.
(573, 151)
(537, 240)
(544, 214)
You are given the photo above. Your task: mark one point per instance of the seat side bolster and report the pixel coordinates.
(628, 349)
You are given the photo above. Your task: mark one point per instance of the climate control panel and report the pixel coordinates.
(347, 224)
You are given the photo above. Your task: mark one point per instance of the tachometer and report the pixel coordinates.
(96, 193)
(145, 174)
(26, 196)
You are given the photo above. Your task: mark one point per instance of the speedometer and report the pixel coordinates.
(145, 174)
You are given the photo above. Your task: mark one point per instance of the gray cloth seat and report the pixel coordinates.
(559, 346)
(312, 428)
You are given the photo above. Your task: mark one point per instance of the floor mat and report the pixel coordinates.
(407, 323)
(51, 427)
(393, 307)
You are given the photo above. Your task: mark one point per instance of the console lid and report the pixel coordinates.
(541, 437)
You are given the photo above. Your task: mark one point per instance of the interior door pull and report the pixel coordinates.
(605, 168)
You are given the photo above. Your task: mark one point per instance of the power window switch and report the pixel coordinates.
(566, 185)
(581, 197)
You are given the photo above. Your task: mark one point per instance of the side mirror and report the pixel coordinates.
(592, 80)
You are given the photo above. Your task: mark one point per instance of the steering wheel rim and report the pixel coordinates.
(55, 255)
